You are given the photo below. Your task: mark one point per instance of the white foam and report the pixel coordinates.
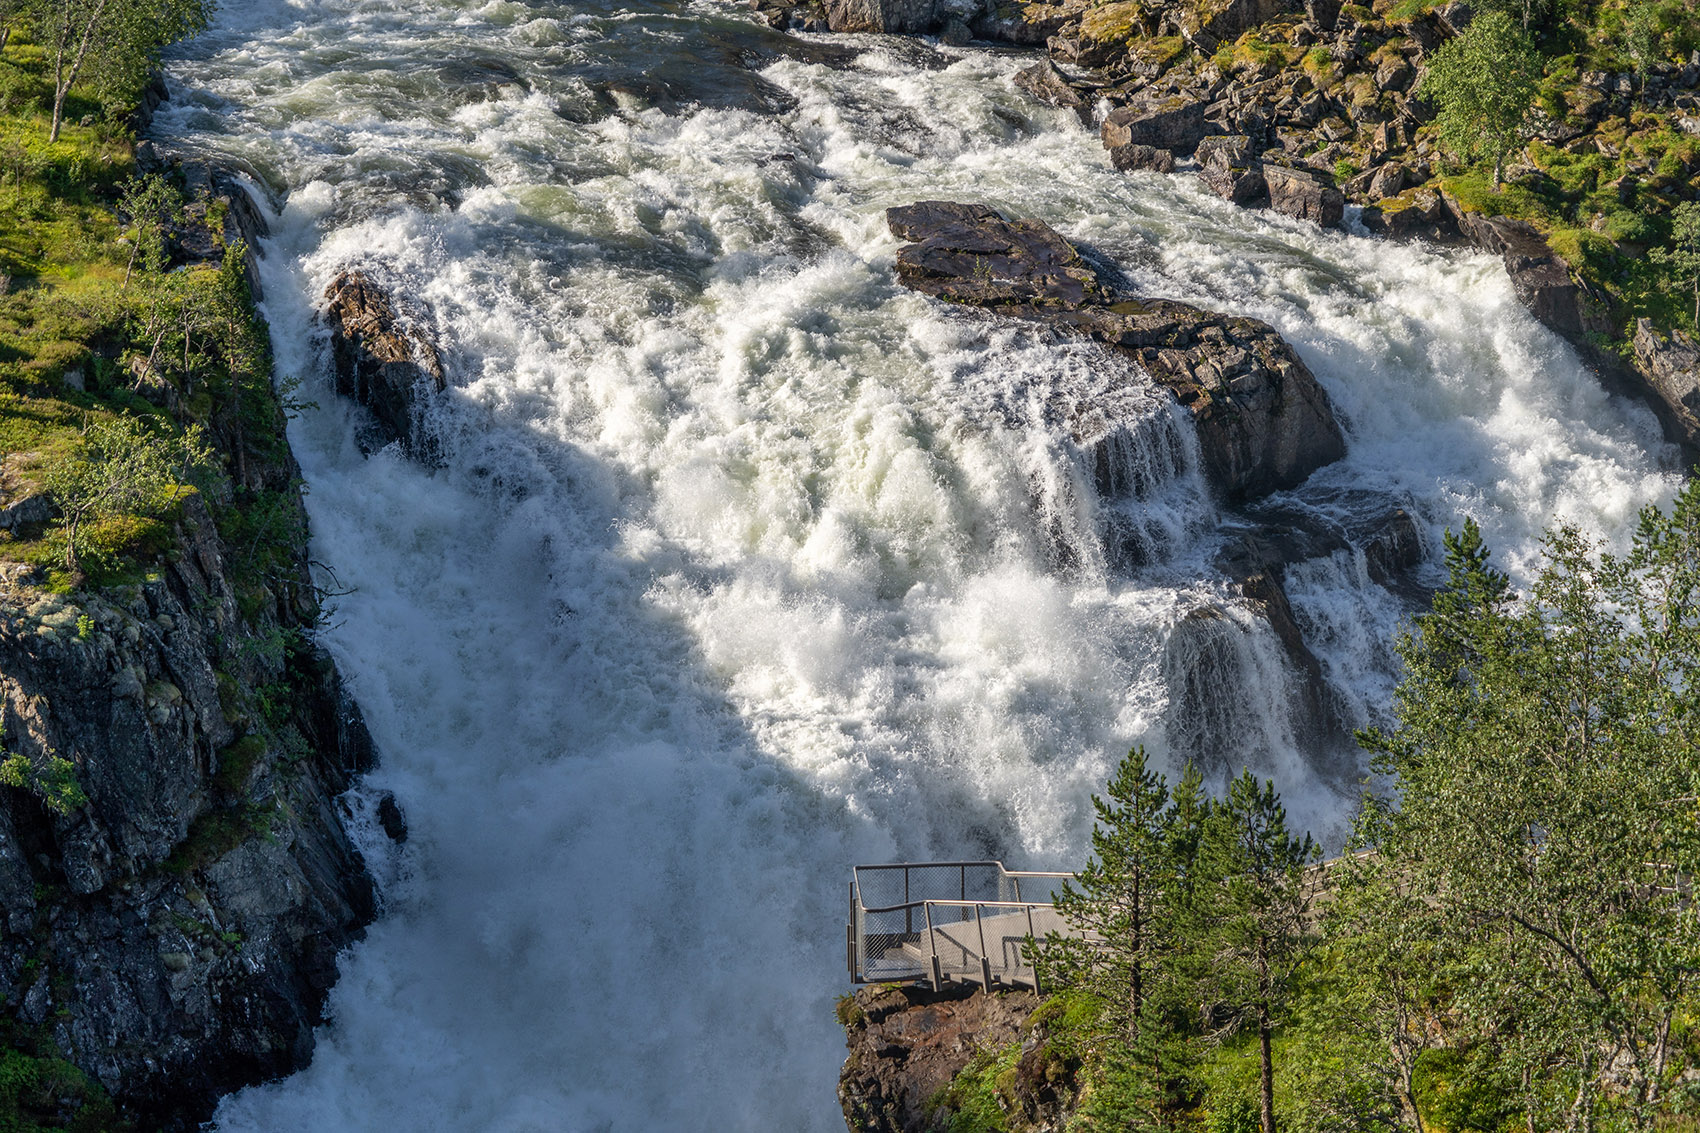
(744, 567)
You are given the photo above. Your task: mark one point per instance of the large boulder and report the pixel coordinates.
(1129, 158)
(388, 363)
(907, 16)
(1263, 422)
(1229, 167)
(1176, 124)
(1671, 366)
(1305, 194)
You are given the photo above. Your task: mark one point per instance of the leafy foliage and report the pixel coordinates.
(1511, 942)
(122, 467)
(53, 779)
(1484, 83)
(1682, 256)
(1547, 756)
(112, 46)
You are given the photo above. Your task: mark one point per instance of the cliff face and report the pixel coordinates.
(922, 1061)
(175, 878)
(176, 933)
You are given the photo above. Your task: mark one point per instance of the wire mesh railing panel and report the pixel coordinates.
(888, 945)
(949, 921)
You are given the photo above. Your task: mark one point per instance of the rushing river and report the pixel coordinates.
(747, 564)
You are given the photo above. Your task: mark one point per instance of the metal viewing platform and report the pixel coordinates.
(939, 922)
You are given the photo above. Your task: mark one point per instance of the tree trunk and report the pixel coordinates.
(62, 81)
(1135, 996)
(71, 546)
(5, 34)
(1268, 1068)
(1267, 1063)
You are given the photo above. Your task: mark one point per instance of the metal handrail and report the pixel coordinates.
(962, 904)
(894, 950)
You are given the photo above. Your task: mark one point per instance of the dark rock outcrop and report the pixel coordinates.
(907, 1043)
(175, 880)
(1538, 274)
(912, 16)
(1671, 367)
(1304, 194)
(177, 932)
(1263, 422)
(388, 363)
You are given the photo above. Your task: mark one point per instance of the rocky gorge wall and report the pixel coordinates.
(176, 878)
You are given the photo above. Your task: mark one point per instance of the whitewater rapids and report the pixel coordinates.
(748, 565)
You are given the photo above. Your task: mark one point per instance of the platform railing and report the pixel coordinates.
(942, 921)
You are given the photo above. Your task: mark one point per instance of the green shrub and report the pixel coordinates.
(39, 1094)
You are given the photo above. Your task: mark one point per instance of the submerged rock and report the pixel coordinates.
(1262, 420)
(388, 364)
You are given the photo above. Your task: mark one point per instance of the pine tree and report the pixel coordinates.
(1251, 916)
(1120, 902)
(1115, 899)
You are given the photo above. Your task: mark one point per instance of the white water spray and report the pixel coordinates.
(748, 564)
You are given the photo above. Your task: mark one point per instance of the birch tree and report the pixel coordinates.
(1547, 753)
(110, 46)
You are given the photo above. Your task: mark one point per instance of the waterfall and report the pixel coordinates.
(746, 564)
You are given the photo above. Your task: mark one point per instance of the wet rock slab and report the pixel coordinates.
(1263, 422)
(384, 360)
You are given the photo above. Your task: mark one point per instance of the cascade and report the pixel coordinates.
(745, 564)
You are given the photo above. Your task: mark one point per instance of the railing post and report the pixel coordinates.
(933, 947)
(908, 914)
(985, 963)
(1037, 990)
(962, 874)
(850, 934)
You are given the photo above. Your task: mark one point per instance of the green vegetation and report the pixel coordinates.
(1484, 84)
(1513, 946)
(53, 779)
(218, 832)
(972, 1097)
(111, 47)
(120, 468)
(47, 1093)
(1683, 255)
(1602, 173)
